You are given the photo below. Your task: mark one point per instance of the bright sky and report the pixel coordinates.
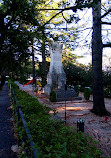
(86, 52)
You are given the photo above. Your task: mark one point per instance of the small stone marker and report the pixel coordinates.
(15, 148)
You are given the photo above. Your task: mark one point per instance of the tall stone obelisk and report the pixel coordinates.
(56, 78)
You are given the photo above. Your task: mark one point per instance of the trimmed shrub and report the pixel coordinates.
(36, 90)
(53, 96)
(77, 89)
(107, 92)
(87, 93)
(23, 79)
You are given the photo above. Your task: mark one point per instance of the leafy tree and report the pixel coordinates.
(76, 74)
(15, 17)
(107, 83)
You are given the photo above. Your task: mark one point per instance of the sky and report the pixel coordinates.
(85, 36)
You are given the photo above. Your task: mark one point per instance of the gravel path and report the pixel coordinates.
(6, 126)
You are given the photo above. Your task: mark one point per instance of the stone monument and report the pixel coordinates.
(56, 77)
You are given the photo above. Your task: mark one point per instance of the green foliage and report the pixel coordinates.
(36, 90)
(107, 83)
(53, 139)
(77, 74)
(16, 18)
(22, 79)
(53, 96)
(107, 92)
(15, 86)
(77, 89)
(87, 93)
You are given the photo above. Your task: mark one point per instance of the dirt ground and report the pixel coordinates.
(95, 126)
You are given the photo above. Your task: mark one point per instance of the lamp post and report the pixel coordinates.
(68, 74)
(65, 102)
(33, 65)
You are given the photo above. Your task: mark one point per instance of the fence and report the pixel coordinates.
(19, 115)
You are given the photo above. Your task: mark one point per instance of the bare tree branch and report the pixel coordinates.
(48, 9)
(73, 8)
(69, 29)
(106, 23)
(52, 18)
(107, 45)
(64, 17)
(106, 13)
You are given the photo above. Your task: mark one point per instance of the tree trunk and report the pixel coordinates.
(1, 32)
(98, 91)
(44, 72)
(2, 38)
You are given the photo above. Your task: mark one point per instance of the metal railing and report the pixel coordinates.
(19, 115)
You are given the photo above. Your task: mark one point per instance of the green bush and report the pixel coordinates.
(82, 89)
(107, 92)
(15, 86)
(23, 79)
(36, 90)
(53, 96)
(52, 139)
(77, 89)
(87, 93)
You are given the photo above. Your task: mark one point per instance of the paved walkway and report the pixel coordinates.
(6, 126)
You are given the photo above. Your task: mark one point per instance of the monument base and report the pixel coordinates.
(63, 94)
(48, 89)
(67, 95)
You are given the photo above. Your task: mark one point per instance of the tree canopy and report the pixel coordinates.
(15, 16)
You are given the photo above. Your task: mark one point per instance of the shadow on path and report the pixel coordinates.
(6, 126)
